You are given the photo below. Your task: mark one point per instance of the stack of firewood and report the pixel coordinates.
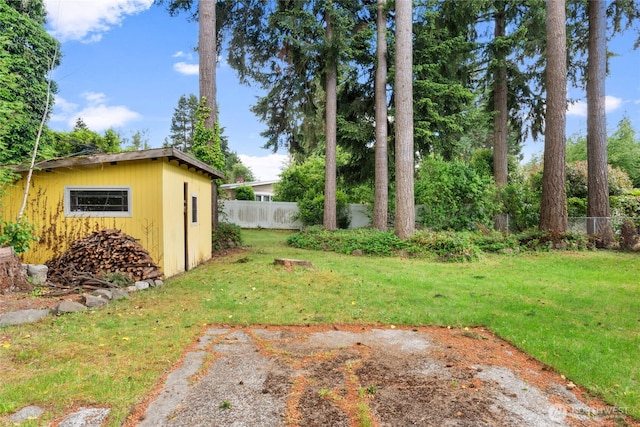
(90, 260)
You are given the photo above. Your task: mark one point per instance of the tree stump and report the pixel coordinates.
(13, 278)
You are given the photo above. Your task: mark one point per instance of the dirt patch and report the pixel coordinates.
(365, 375)
(15, 301)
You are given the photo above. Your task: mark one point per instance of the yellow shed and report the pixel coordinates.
(162, 197)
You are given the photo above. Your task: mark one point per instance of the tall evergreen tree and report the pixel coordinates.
(598, 187)
(331, 110)
(553, 209)
(183, 123)
(405, 205)
(381, 195)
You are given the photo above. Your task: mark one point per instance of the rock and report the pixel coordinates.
(151, 282)
(131, 289)
(69, 307)
(26, 413)
(85, 417)
(92, 301)
(119, 294)
(103, 293)
(22, 316)
(37, 273)
(141, 285)
(159, 283)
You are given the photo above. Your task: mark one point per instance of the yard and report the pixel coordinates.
(577, 312)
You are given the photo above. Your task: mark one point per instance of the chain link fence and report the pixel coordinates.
(595, 225)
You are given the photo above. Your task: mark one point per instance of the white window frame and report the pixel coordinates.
(196, 211)
(105, 214)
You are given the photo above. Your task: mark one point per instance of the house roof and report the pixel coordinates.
(113, 158)
(247, 184)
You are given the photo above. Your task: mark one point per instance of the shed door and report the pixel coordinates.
(186, 226)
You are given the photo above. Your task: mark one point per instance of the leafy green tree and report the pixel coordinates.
(238, 170)
(245, 193)
(304, 183)
(26, 54)
(139, 141)
(454, 195)
(623, 150)
(82, 140)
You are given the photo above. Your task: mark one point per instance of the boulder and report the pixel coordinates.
(92, 301)
(37, 274)
(22, 316)
(69, 307)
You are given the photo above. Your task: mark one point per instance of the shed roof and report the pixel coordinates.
(113, 158)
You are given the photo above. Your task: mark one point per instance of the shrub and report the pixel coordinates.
(448, 246)
(454, 196)
(311, 210)
(245, 192)
(365, 241)
(522, 204)
(626, 206)
(576, 207)
(225, 236)
(17, 234)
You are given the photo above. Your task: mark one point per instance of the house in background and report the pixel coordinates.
(162, 197)
(263, 190)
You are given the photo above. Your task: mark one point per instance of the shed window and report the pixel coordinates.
(194, 209)
(97, 201)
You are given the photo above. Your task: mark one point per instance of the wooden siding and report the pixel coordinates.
(199, 243)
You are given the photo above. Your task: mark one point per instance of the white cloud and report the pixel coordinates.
(577, 109)
(187, 69)
(265, 168)
(611, 103)
(88, 20)
(96, 113)
(62, 109)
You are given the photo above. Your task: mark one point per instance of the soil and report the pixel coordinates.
(345, 375)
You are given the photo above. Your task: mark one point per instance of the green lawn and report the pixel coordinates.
(576, 311)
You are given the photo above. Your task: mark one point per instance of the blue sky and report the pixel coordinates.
(125, 64)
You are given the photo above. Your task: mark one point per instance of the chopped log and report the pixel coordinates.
(290, 263)
(89, 260)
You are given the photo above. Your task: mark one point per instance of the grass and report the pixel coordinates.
(578, 312)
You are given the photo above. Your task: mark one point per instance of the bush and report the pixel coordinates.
(245, 192)
(454, 196)
(225, 236)
(311, 210)
(626, 206)
(522, 204)
(365, 241)
(448, 246)
(576, 207)
(17, 234)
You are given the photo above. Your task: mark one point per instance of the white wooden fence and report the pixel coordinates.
(278, 215)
